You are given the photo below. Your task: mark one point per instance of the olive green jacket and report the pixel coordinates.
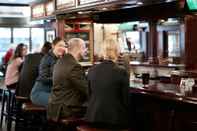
(69, 89)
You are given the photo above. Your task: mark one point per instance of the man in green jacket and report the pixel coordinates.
(70, 88)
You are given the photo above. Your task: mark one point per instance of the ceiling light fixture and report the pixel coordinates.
(80, 12)
(139, 3)
(104, 8)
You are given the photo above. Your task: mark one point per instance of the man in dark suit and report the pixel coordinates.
(29, 71)
(70, 88)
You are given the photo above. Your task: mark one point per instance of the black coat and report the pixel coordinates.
(69, 89)
(28, 74)
(108, 103)
(46, 68)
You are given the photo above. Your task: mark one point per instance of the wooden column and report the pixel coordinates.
(60, 28)
(153, 41)
(191, 42)
(165, 44)
(162, 46)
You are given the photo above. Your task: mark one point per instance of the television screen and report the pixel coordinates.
(192, 4)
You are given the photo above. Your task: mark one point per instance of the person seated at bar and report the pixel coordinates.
(29, 71)
(14, 66)
(70, 88)
(109, 85)
(42, 87)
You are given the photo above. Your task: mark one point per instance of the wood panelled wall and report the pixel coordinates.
(191, 42)
(60, 28)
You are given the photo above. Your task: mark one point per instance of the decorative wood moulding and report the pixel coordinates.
(63, 4)
(43, 10)
(68, 6)
(50, 8)
(83, 2)
(38, 11)
(86, 7)
(95, 6)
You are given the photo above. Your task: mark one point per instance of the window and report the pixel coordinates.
(5, 41)
(132, 41)
(37, 39)
(21, 35)
(174, 44)
(50, 35)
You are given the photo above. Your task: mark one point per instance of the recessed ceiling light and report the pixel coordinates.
(80, 12)
(162, 20)
(104, 8)
(168, 0)
(139, 3)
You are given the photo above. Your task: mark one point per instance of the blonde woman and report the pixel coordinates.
(109, 83)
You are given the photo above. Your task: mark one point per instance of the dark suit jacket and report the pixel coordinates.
(28, 74)
(108, 101)
(69, 88)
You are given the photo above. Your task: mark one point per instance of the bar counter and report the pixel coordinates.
(146, 64)
(155, 70)
(161, 107)
(164, 91)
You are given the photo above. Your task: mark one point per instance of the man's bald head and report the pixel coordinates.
(76, 46)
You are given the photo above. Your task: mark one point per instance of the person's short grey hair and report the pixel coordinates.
(74, 43)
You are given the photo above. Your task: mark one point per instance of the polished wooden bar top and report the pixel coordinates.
(166, 91)
(137, 63)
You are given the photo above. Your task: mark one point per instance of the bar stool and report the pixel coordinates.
(31, 117)
(8, 100)
(69, 124)
(3, 98)
(72, 122)
(19, 116)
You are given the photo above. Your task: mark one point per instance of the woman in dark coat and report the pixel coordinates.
(42, 87)
(109, 83)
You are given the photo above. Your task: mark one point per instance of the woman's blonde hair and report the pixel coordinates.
(109, 50)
